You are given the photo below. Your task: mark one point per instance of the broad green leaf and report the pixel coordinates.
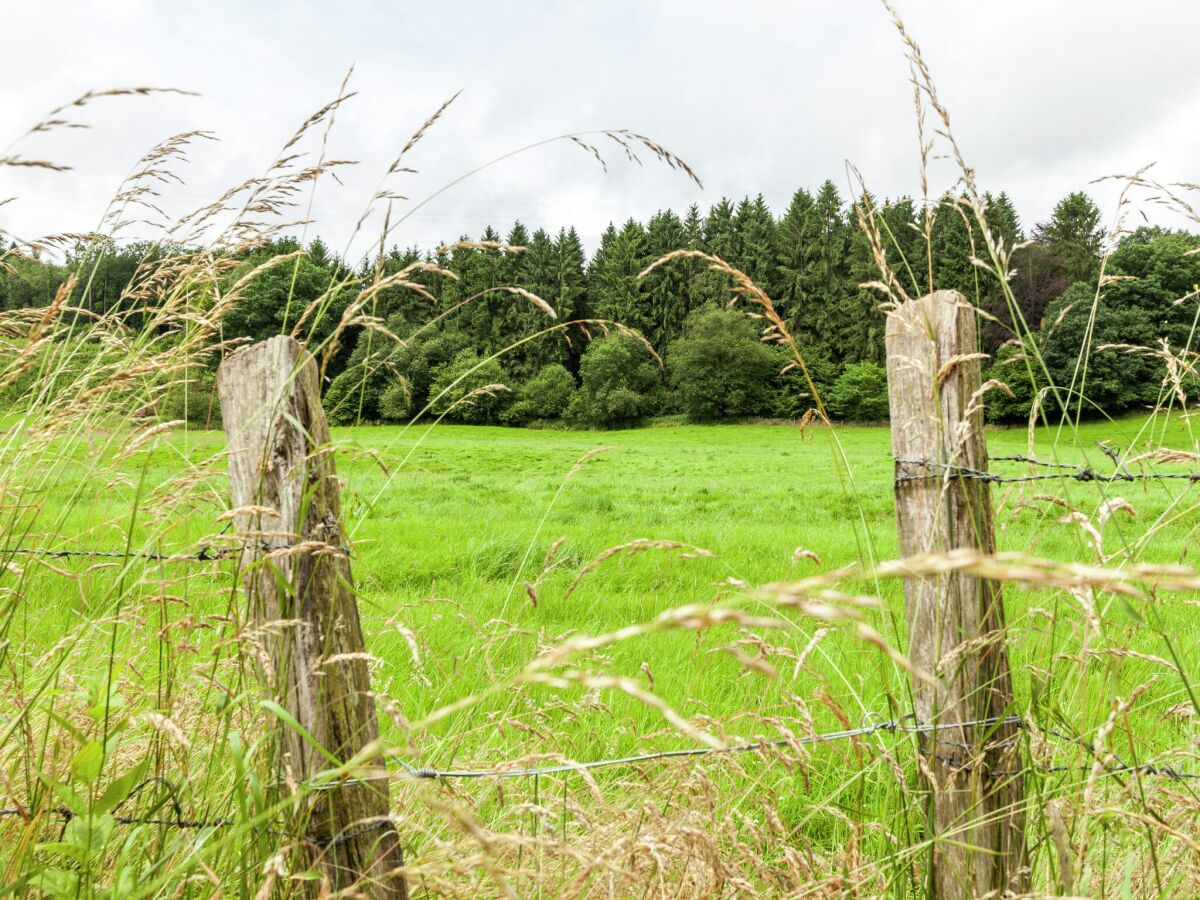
(90, 833)
(119, 788)
(87, 762)
(56, 882)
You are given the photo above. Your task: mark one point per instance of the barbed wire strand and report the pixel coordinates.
(204, 554)
(1075, 473)
(893, 726)
(1070, 471)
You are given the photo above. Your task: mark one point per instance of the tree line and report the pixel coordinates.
(452, 340)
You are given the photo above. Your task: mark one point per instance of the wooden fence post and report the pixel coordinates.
(955, 621)
(283, 478)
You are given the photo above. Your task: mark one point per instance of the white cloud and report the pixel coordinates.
(757, 96)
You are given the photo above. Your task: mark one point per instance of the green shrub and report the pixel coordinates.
(860, 393)
(468, 390)
(1011, 367)
(58, 367)
(367, 388)
(790, 394)
(395, 403)
(544, 397)
(620, 385)
(720, 367)
(1114, 380)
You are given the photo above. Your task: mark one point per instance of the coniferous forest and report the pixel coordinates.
(471, 351)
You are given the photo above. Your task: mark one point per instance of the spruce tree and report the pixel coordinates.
(754, 230)
(795, 248)
(616, 290)
(570, 298)
(1074, 235)
(719, 240)
(536, 272)
(667, 292)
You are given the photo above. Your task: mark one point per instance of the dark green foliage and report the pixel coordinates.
(1138, 310)
(403, 308)
(109, 272)
(812, 262)
(754, 228)
(667, 291)
(469, 389)
(542, 398)
(1037, 282)
(379, 366)
(719, 239)
(396, 401)
(860, 393)
(720, 367)
(26, 280)
(277, 297)
(616, 292)
(1018, 369)
(791, 396)
(67, 365)
(1075, 236)
(1109, 380)
(192, 398)
(620, 386)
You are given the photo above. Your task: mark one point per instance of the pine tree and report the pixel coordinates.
(754, 230)
(832, 310)
(862, 329)
(570, 298)
(1003, 219)
(720, 239)
(479, 272)
(1074, 235)
(536, 272)
(667, 291)
(953, 244)
(615, 288)
(795, 247)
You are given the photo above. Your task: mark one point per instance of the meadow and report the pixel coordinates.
(473, 553)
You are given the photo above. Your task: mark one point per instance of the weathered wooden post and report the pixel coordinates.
(283, 478)
(955, 621)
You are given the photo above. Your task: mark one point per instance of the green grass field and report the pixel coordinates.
(451, 523)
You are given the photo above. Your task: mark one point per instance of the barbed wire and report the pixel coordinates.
(1068, 471)
(204, 554)
(1080, 473)
(891, 726)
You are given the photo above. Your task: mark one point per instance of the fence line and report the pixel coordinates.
(204, 554)
(891, 726)
(925, 470)
(1082, 473)
(1071, 472)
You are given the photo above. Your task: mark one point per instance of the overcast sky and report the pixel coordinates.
(1045, 95)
